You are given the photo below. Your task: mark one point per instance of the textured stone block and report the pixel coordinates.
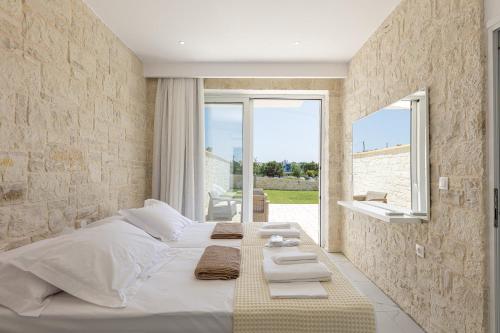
(12, 193)
(13, 167)
(28, 220)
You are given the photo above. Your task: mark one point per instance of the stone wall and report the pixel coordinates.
(438, 44)
(384, 170)
(333, 144)
(287, 184)
(217, 171)
(75, 137)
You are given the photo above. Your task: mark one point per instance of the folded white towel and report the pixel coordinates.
(284, 243)
(289, 233)
(295, 273)
(276, 225)
(297, 290)
(296, 257)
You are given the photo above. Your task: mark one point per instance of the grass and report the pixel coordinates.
(292, 197)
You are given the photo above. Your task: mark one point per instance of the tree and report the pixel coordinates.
(296, 170)
(311, 169)
(312, 173)
(237, 167)
(272, 169)
(257, 169)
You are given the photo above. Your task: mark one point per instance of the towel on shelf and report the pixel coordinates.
(312, 272)
(277, 225)
(295, 257)
(227, 231)
(297, 290)
(218, 263)
(289, 233)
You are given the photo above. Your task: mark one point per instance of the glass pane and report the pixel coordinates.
(286, 150)
(381, 159)
(223, 161)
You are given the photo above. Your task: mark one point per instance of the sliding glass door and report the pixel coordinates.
(262, 160)
(286, 156)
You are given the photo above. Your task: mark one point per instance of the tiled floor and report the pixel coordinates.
(390, 318)
(306, 215)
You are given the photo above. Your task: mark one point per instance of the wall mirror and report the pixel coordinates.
(390, 159)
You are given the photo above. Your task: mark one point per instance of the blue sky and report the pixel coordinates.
(387, 127)
(283, 130)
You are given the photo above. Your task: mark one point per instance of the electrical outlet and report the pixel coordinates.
(443, 183)
(82, 223)
(420, 250)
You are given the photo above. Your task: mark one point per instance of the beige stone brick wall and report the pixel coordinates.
(438, 44)
(335, 88)
(75, 132)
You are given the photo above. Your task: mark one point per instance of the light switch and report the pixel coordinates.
(443, 183)
(420, 250)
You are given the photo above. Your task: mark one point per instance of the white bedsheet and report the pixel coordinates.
(198, 235)
(172, 301)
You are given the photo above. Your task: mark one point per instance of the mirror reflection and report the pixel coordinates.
(382, 156)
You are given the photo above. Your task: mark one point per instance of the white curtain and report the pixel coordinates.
(178, 145)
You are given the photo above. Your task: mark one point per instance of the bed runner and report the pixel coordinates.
(251, 237)
(345, 310)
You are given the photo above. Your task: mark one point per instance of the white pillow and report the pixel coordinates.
(20, 291)
(184, 220)
(160, 221)
(104, 221)
(104, 265)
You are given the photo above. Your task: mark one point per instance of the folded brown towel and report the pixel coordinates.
(218, 263)
(227, 231)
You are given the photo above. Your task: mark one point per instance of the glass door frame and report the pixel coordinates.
(246, 212)
(246, 97)
(494, 110)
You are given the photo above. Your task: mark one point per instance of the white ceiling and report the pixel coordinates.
(329, 31)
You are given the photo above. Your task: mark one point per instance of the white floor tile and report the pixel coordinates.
(389, 317)
(374, 293)
(351, 272)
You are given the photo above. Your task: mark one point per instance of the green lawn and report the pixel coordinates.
(292, 197)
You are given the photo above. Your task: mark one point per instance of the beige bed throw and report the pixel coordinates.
(344, 311)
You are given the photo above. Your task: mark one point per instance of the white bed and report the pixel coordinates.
(196, 235)
(172, 301)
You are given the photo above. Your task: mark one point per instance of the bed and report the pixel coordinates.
(196, 235)
(173, 301)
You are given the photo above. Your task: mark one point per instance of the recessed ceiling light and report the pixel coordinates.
(297, 42)
(181, 42)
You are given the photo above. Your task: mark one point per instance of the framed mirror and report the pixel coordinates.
(390, 156)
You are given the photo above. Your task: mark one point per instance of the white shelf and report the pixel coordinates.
(379, 212)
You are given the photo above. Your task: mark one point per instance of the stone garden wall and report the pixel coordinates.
(75, 133)
(384, 170)
(289, 184)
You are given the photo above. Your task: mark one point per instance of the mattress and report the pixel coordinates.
(172, 301)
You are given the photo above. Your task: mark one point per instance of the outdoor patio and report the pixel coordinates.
(307, 215)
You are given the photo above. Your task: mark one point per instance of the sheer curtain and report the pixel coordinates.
(178, 145)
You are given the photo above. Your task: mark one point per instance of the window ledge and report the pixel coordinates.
(380, 213)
